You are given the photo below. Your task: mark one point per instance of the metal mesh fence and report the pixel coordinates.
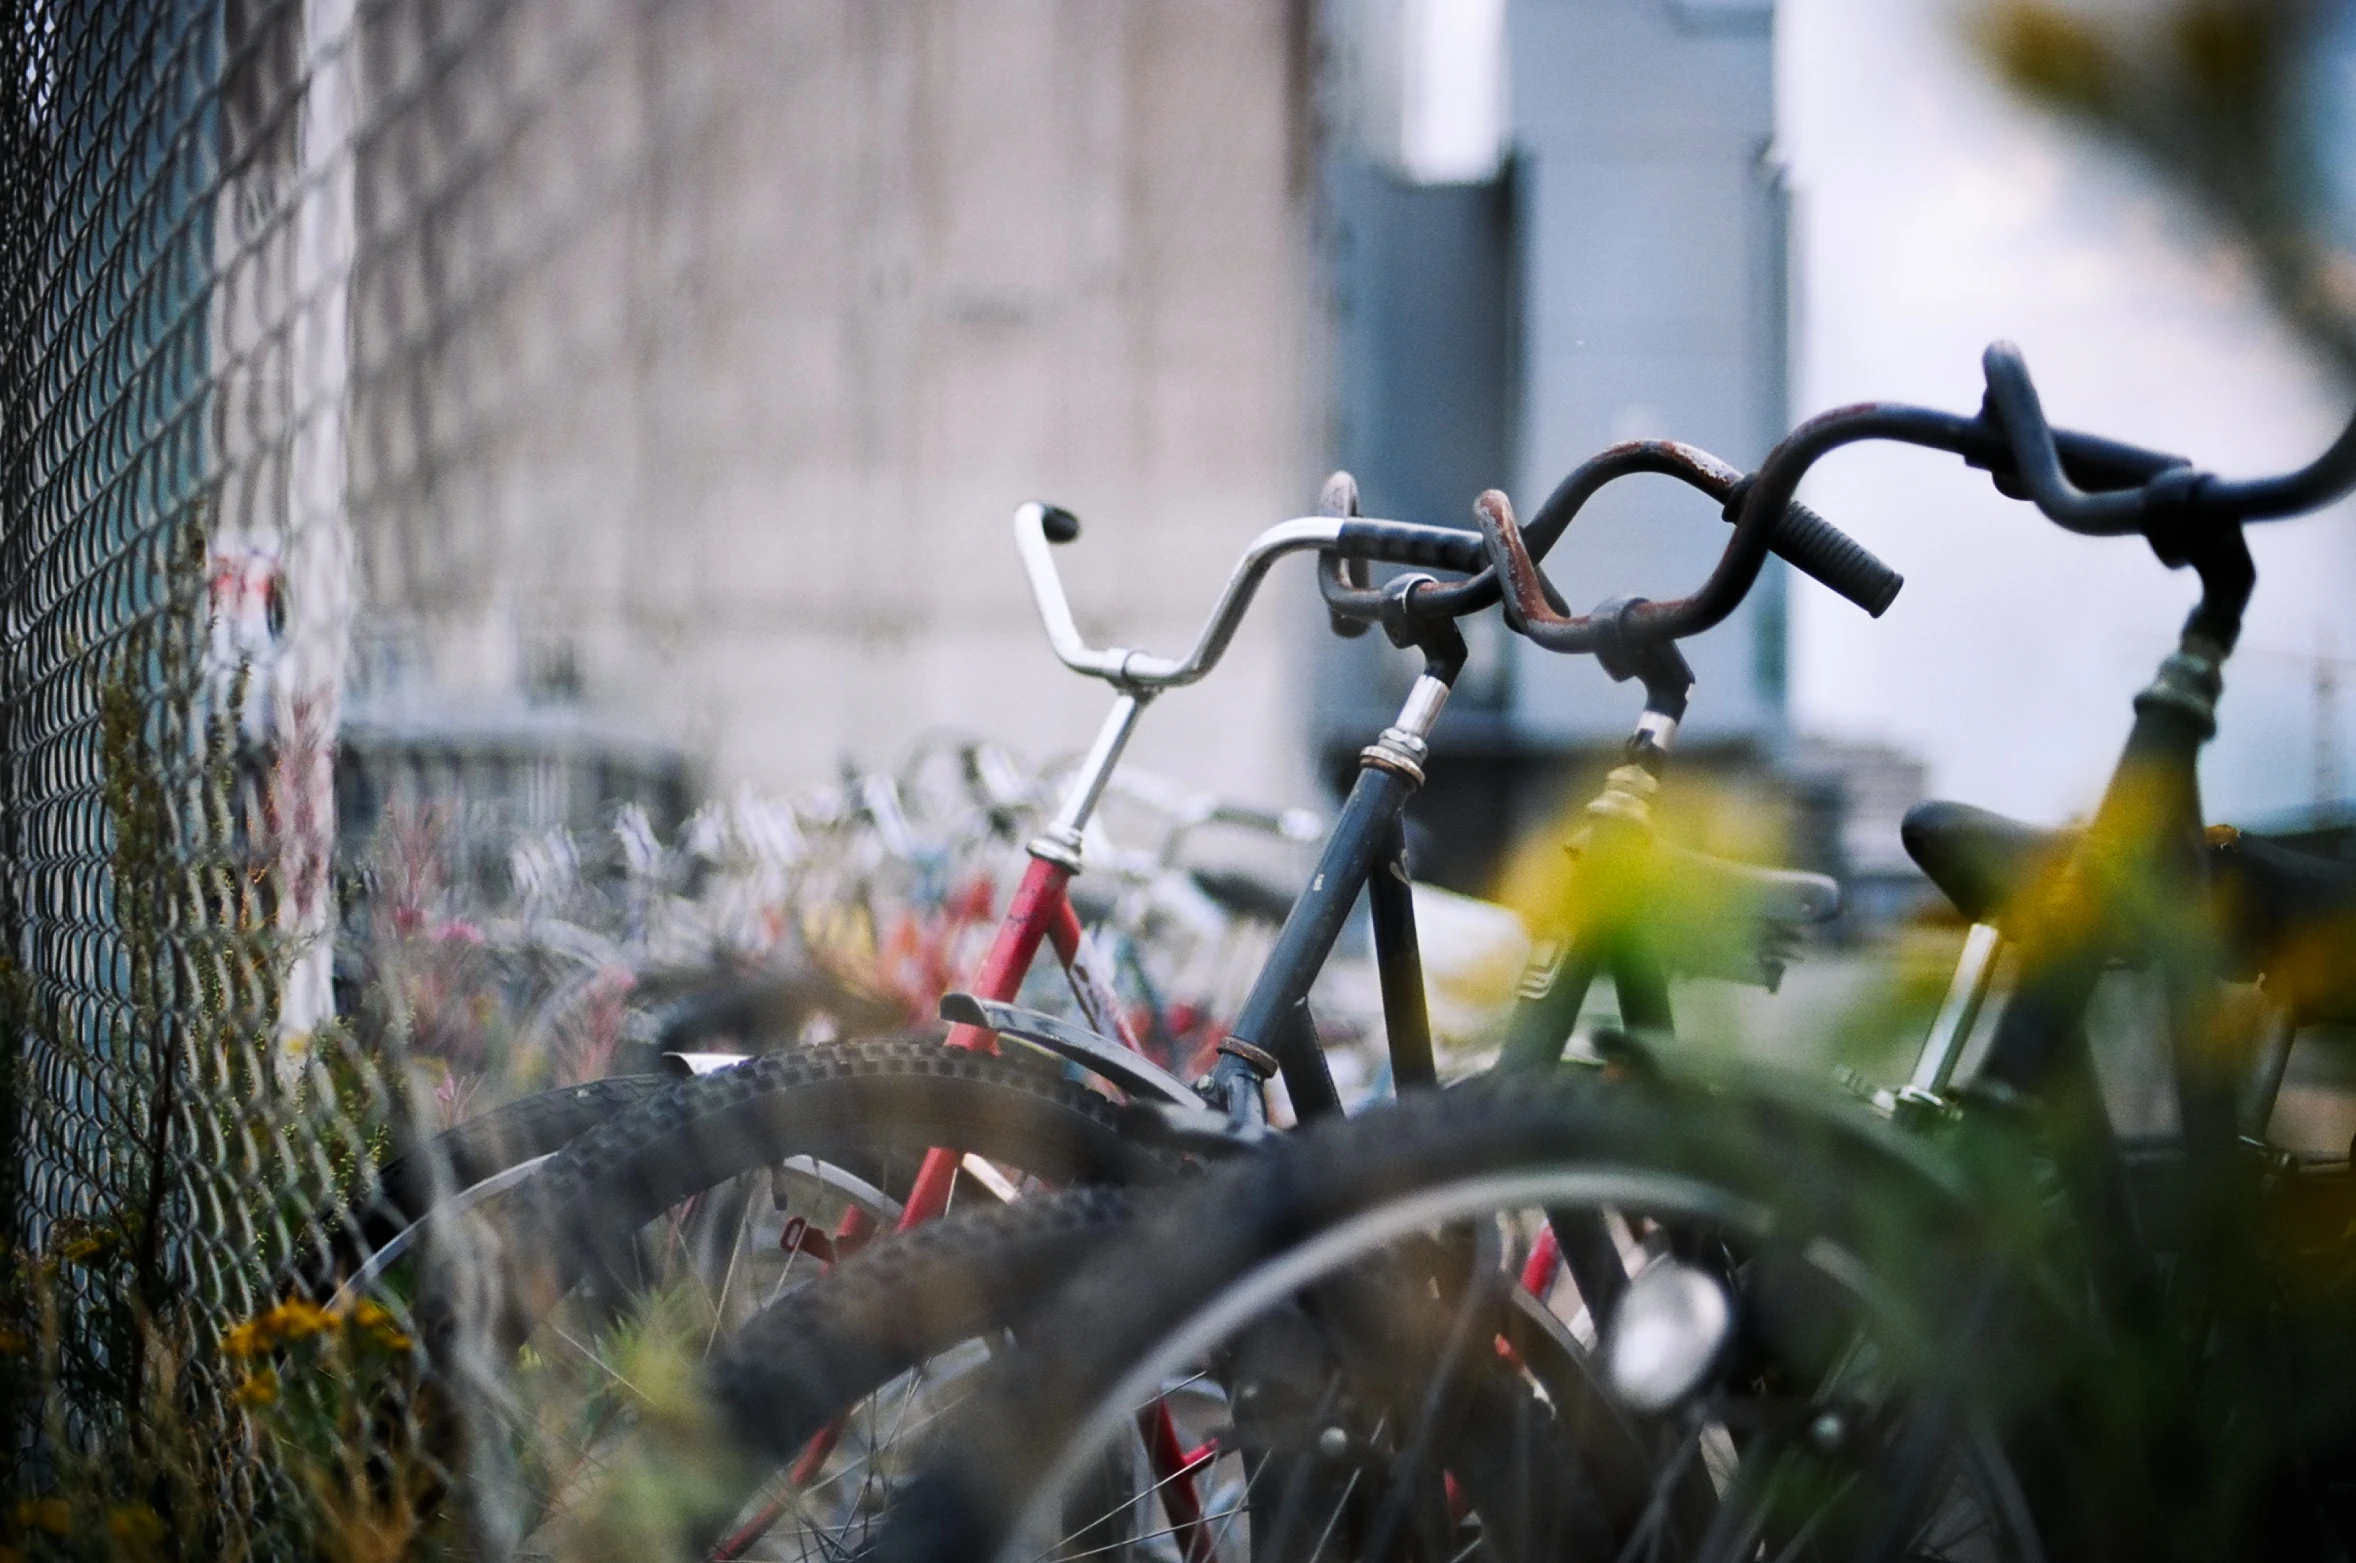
(367, 356)
(276, 277)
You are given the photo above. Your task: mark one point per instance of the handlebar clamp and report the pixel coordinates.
(1399, 619)
(1613, 654)
(1411, 629)
(1661, 667)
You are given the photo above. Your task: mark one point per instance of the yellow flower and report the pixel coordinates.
(379, 1324)
(135, 1525)
(296, 1319)
(259, 1389)
(289, 1321)
(53, 1515)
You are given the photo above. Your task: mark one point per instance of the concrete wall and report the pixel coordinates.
(703, 351)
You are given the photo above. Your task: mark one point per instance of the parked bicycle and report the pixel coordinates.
(1365, 849)
(1970, 1325)
(740, 1180)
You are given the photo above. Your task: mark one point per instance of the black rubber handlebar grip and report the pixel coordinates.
(1395, 542)
(1814, 545)
(1060, 524)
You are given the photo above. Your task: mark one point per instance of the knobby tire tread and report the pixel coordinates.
(1812, 1171)
(408, 1187)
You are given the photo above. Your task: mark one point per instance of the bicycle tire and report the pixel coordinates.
(807, 1360)
(1838, 1182)
(784, 1376)
(409, 1187)
(861, 1104)
(805, 1363)
(850, 1103)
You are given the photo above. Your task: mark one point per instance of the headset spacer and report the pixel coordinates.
(1263, 1063)
(1401, 753)
(2190, 682)
(1060, 848)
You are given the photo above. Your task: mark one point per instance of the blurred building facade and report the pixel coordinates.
(700, 354)
(1620, 273)
(665, 375)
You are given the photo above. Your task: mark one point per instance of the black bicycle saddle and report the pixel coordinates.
(2287, 916)
(1980, 860)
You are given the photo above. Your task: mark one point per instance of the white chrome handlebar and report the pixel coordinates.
(1142, 672)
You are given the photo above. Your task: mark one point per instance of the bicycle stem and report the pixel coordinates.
(1554, 987)
(1040, 911)
(1060, 842)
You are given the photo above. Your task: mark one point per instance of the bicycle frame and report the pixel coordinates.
(2133, 882)
(1041, 912)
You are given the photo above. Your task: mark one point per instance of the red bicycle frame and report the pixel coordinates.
(1040, 913)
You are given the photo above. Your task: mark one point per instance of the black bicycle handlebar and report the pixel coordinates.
(1534, 611)
(1802, 537)
(1527, 608)
(1817, 548)
(1402, 542)
(2080, 481)
(2171, 491)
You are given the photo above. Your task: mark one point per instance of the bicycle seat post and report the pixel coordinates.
(1959, 1012)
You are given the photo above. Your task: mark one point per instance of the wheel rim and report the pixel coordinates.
(1756, 1501)
(542, 1426)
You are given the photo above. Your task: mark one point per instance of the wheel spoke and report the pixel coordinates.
(875, 1447)
(603, 1366)
(744, 1211)
(1131, 1541)
(1340, 1503)
(1419, 1447)
(1652, 1525)
(1133, 1498)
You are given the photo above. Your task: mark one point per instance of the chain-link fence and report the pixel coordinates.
(382, 373)
(268, 358)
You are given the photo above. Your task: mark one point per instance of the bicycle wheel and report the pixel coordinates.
(454, 1162)
(808, 1416)
(817, 1406)
(650, 1238)
(870, 1108)
(1361, 1374)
